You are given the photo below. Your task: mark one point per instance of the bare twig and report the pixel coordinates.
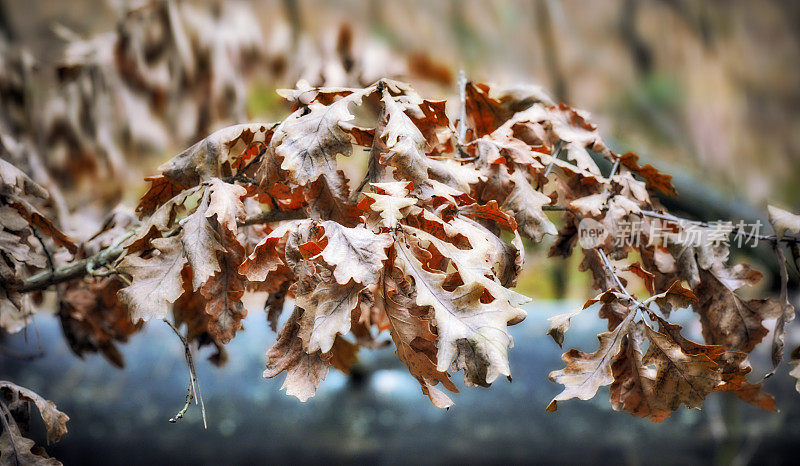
(272, 216)
(462, 116)
(194, 383)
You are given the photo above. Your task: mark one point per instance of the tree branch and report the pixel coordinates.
(44, 280)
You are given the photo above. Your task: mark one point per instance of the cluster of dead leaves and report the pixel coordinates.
(25, 236)
(410, 249)
(418, 247)
(425, 246)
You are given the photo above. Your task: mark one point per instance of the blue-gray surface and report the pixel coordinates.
(120, 416)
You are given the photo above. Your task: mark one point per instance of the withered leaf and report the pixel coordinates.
(155, 279)
(355, 253)
(471, 332)
(54, 420)
(727, 318)
(585, 373)
(415, 343)
(681, 377)
(304, 371)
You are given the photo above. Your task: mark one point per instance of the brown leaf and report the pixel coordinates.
(93, 319)
(787, 310)
(728, 319)
(304, 371)
(224, 290)
(633, 387)
(54, 420)
(485, 112)
(155, 279)
(343, 355)
(681, 377)
(654, 178)
(675, 296)
(309, 141)
(213, 157)
(585, 373)
(161, 190)
(472, 332)
(35, 218)
(646, 276)
(17, 450)
(200, 243)
(355, 253)
(415, 343)
(329, 306)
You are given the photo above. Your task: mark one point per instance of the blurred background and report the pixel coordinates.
(708, 91)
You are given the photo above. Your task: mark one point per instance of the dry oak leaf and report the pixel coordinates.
(224, 290)
(200, 233)
(304, 371)
(486, 111)
(653, 177)
(15, 181)
(329, 306)
(226, 203)
(93, 319)
(676, 296)
(732, 365)
(161, 190)
(54, 420)
(355, 253)
(309, 140)
(414, 342)
(783, 221)
(519, 197)
(681, 377)
(389, 206)
(35, 218)
(633, 387)
(476, 263)
(155, 280)
(268, 255)
(585, 373)
(213, 157)
(728, 319)
(471, 332)
(787, 314)
(200, 243)
(16, 450)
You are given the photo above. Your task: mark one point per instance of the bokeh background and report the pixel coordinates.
(104, 91)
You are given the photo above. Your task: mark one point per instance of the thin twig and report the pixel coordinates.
(5, 412)
(621, 287)
(194, 383)
(613, 168)
(462, 117)
(272, 216)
